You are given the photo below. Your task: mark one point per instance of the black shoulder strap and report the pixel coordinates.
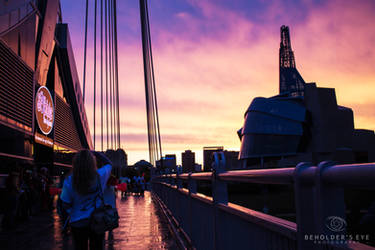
(100, 193)
(100, 185)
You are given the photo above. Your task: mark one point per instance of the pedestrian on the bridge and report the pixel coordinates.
(137, 184)
(79, 194)
(123, 186)
(109, 196)
(11, 200)
(142, 183)
(46, 199)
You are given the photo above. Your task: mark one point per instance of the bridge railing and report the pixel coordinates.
(215, 223)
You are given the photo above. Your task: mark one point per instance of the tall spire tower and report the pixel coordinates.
(291, 82)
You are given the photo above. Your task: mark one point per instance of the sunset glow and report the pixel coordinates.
(212, 58)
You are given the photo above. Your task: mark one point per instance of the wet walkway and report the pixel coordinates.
(142, 226)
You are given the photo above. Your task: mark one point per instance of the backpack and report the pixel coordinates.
(103, 218)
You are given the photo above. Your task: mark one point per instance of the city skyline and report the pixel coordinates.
(212, 58)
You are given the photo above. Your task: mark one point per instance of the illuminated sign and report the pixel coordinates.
(43, 140)
(44, 110)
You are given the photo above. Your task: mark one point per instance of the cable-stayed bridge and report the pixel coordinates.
(43, 122)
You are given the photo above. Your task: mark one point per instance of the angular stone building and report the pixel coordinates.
(303, 123)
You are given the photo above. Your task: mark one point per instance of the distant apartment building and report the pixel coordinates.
(168, 163)
(198, 167)
(188, 161)
(208, 158)
(231, 159)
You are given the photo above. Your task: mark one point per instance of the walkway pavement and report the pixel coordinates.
(142, 226)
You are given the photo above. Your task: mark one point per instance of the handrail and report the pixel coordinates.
(195, 176)
(318, 194)
(263, 176)
(362, 175)
(201, 176)
(340, 175)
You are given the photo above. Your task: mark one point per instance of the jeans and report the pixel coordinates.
(83, 235)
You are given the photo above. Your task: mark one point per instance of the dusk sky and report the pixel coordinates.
(212, 57)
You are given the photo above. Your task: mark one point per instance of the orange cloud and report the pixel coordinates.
(206, 80)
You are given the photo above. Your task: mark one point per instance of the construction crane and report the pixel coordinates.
(291, 82)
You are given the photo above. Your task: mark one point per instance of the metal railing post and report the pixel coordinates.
(167, 180)
(219, 192)
(192, 186)
(178, 181)
(330, 212)
(305, 207)
(219, 188)
(177, 198)
(172, 182)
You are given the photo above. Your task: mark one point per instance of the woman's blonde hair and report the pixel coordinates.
(84, 171)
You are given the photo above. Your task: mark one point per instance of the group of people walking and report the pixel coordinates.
(135, 185)
(26, 193)
(86, 204)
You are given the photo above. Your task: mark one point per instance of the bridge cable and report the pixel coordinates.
(110, 72)
(113, 77)
(109, 94)
(117, 84)
(85, 51)
(106, 70)
(115, 128)
(112, 108)
(101, 71)
(144, 47)
(154, 140)
(95, 69)
(153, 86)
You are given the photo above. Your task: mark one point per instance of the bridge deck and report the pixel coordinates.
(142, 226)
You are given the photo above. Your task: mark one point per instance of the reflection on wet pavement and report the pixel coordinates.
(142, 226)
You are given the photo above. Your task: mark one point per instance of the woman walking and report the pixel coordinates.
(109, 196)
(80, 197)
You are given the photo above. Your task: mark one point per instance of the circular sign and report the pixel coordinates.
(45, 114)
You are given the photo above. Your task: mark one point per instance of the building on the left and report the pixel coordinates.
(42, 115)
